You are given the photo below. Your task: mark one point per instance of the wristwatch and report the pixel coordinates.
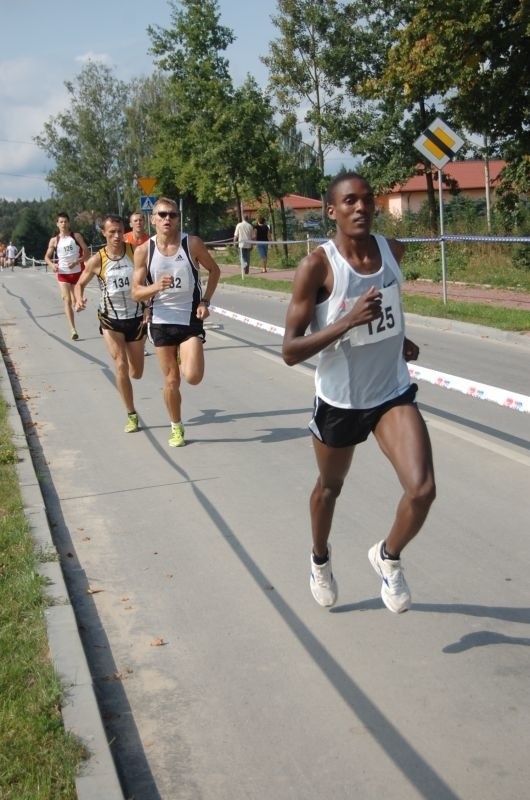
(205, 303)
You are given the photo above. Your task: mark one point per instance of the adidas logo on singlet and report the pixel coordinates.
(180, 257)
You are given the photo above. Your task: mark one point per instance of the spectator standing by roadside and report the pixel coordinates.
(262, 236)
(11, 255)
(243, 236)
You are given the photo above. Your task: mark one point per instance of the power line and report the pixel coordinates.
(29, 177)
(17, 141)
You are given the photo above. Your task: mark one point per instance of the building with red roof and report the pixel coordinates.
(467, 178)
(299, 204)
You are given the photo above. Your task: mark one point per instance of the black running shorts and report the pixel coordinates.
(345, 427)
(167, 335)
(134, 329)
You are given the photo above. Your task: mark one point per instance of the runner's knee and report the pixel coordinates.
(330, 488)
(423, 493)
(135, 372)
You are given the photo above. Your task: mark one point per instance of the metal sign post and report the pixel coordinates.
(438, 143)
(147, 201)
(442, 239)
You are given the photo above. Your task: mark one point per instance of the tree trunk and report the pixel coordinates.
(284, 228)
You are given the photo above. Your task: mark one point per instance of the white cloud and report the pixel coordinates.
(33, 91)
(97, 58)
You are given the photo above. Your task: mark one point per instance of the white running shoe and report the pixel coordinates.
(322, 583)
(395, 592)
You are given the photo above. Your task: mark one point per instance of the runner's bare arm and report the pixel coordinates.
(139, 291)
(202, 256)
(92, 267)
(85, 252)
(411, 351)
(48, 256)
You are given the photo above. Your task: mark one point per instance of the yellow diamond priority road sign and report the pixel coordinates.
(438, 143)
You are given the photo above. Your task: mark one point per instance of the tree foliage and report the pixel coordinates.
(486, 89)
(305, 69)
(28, 223)
(86, 141)
(150, 99)
(191, 132)
(220, 143)
(30, 232)
(364, 76)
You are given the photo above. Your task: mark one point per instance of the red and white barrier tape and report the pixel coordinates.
(255, 323)
(482, 391)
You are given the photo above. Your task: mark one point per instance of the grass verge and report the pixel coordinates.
(38, 758)
(505, 319)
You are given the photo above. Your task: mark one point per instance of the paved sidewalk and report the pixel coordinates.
(491, 295)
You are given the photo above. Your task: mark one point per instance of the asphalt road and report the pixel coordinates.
(218, 676)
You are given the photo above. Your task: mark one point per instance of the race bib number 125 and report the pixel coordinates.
(385, 326)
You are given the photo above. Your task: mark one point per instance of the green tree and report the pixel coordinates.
(386, 117)
(486, 90)
(219, 143)
(487, 87)
(304, 69)
(307, 177)
(190, 134)
(30, 232)
(41, 212)
(87, 142)
(150, 101)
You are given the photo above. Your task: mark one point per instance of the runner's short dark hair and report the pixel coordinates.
(111, 218)
(337, 180)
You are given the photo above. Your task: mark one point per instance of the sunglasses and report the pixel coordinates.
(170, 214)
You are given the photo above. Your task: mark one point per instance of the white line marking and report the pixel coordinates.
(472, 438)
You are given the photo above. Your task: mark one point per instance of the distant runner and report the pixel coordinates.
(66, 254)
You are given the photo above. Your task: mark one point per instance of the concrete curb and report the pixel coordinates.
(98, 778)
(482, 331)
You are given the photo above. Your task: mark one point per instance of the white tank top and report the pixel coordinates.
(67, 250)
(366, 367)
(178, 304)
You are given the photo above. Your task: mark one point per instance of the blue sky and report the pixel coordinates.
(45, 42)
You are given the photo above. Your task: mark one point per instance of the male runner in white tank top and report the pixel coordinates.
(66, 254)
(166, 275)
(348, 292)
